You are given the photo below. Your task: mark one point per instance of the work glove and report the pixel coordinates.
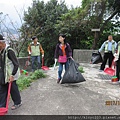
(55, 64)
(98, 51)
(71, 57)
(43, 56)
(55, 60)
(29, 53)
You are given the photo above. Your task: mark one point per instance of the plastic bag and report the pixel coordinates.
(72, 74)
(96, 58)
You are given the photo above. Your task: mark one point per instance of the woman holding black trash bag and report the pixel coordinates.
(63, 51)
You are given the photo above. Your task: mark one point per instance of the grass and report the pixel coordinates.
(25, 81)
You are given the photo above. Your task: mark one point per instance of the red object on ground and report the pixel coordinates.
(44, 67)
(114, 79)
(4, 110)
(109, 71)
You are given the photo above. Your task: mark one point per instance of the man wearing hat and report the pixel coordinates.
(34, 49)
(8, 59)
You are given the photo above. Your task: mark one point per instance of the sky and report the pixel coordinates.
(11, 7)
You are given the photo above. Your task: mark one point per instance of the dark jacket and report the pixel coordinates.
(58, 51)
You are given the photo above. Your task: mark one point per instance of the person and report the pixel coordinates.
(7, 55)
(34, 50)
(62, 49)
(109, 47)
(117, 61)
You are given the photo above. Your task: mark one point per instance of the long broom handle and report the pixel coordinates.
(54, 65)
(113, 64)
(43, 61)
(8, 96)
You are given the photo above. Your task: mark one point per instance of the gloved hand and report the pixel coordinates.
(29, 53)
(43, 56)
(116, 57)
(115, 54)
(71, 57)
(55, 60)
(98, 51)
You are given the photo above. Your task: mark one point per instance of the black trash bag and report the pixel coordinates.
(96, 58)
(72, 74)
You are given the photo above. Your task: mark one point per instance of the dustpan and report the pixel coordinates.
(44, 67)
(4, 110)
(110, 70)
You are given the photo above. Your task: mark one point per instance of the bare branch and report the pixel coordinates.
(18, 14)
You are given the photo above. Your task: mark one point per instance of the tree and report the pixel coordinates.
(92, 14)
(46, 21)
(101, 12)
(40, 20)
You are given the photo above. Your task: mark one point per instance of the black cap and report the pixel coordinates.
(1, 37)
(34, 37)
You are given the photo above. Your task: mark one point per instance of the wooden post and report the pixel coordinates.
(95, 37)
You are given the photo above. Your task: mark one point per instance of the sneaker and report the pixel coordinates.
(100, 70)
(119, 81)
(16, 106)
(58, 80)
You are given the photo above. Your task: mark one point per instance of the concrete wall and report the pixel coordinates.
(83, 55)
(80, 55)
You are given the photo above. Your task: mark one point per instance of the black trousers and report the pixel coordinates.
(15, 94)
(107, 56)
(118, 68)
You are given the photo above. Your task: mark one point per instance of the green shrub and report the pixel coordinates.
(24, 81)
(39, 74)
(80, 68)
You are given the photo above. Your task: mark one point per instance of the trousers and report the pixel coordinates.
(60, 69)
(109, 57)
(15, 94)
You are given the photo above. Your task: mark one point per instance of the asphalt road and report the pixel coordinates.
(96, 96)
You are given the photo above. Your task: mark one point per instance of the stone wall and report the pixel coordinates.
(22, 63)
(80, 55)
(83, 55)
